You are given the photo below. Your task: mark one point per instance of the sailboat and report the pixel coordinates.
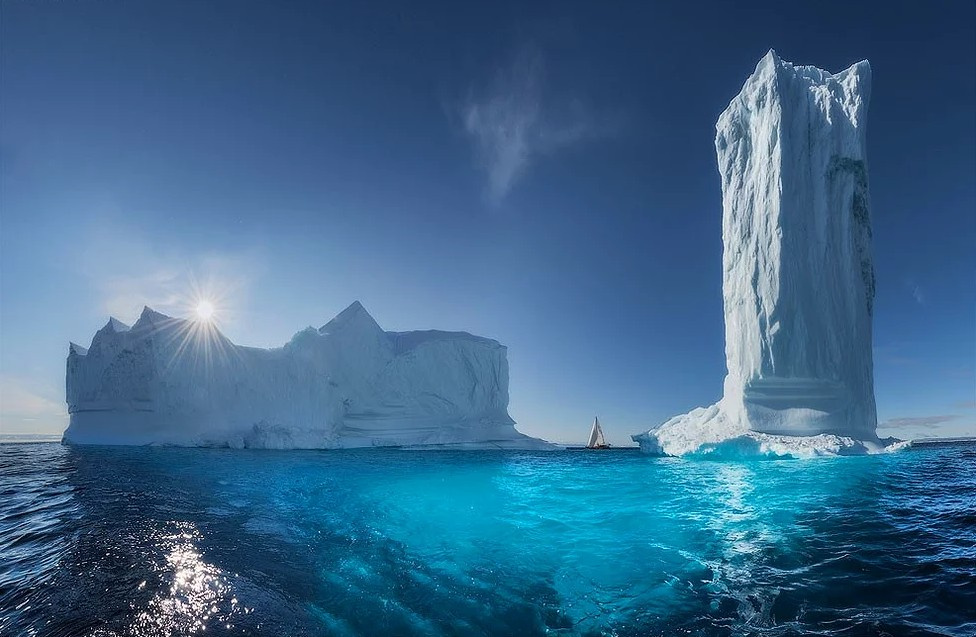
(597, 441)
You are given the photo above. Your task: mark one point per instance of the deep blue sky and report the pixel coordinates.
(293, 157)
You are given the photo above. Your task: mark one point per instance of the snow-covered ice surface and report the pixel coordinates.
(347, 384)
(710, 432)
(798, 277)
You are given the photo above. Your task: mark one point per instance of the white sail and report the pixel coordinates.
(596, 435)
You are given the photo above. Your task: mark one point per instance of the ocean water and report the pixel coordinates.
(164, 541)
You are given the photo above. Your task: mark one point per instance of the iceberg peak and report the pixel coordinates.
(354, 315)
(77, 350)
(771, 58)
(116, 325)
(151, 318)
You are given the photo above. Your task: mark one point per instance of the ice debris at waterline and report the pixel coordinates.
(798, 276)
(348, 384)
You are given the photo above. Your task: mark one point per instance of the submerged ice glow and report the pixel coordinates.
(166, 541)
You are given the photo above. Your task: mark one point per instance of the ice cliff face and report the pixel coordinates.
(347, 384)
(798, 278)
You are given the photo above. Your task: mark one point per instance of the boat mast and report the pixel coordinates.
(592, 440)
(596, 435)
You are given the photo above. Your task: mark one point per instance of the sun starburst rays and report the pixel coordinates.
(196, 344)
(205, 310)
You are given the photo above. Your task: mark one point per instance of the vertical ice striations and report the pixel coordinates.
(347, 384)
(798, 278)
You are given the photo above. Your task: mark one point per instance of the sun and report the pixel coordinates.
(204, 310)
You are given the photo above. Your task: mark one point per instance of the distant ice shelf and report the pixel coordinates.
(347, 384)
(798, 275)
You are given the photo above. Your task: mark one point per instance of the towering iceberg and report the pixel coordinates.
(798, 279)
(347, 384)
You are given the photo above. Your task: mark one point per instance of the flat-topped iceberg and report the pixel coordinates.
(798, 276)
(347, 384)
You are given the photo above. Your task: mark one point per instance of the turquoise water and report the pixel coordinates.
(162, 541)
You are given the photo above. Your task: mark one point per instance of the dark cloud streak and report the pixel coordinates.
(927, 422)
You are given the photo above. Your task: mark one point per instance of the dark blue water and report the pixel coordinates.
(157, 541)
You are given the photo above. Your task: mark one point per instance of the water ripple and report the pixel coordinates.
(139, 542)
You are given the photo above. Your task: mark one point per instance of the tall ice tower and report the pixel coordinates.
(798, 277)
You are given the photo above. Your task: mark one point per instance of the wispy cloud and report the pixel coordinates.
(514, 121)
(925, 422)
(894, 354)
(176, 289)
(916, 290)
(22, 409)
(129, 272)
(124, 294)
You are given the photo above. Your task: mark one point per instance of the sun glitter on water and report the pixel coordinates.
(204, 310)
